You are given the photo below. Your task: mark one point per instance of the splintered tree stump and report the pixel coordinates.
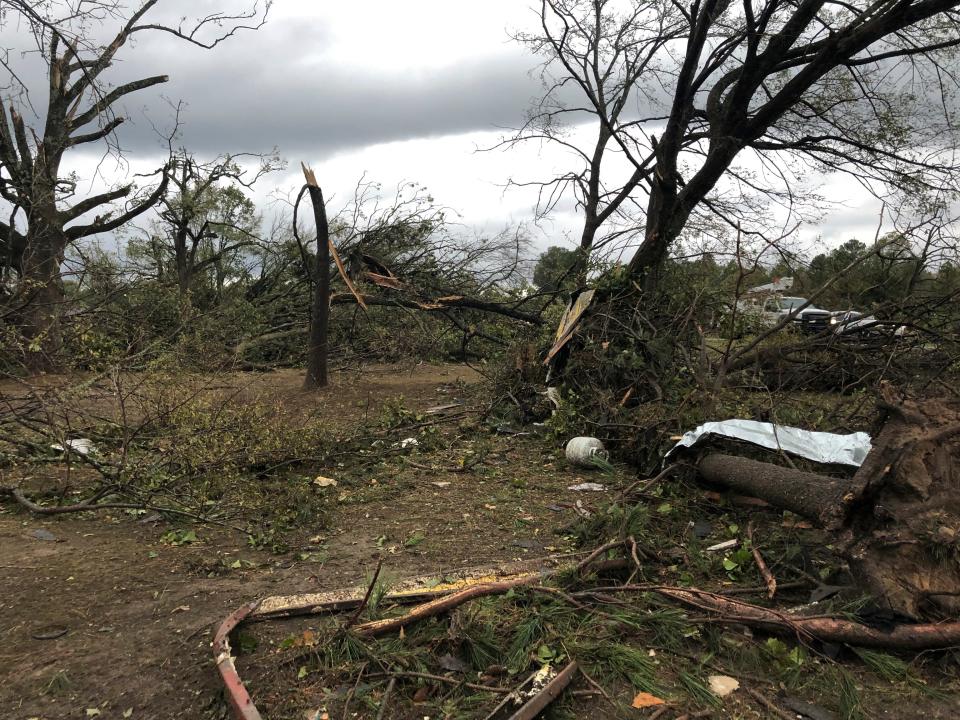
(897, 521)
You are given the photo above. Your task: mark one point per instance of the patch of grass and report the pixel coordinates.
(851, 707)
(695, 688)
(60, 682)
(613, 661)
(884, 665)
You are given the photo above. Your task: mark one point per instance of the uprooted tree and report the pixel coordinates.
(708, 116)
(79, 110)
(897, 521)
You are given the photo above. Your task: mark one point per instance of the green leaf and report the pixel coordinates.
(729, 564)
(415, 539)
(545, 654)
(302, 672)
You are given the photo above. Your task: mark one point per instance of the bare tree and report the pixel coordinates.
(741, 99)
(79, 111)
(606, 52)
(207, 217)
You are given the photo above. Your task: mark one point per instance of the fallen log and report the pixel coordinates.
(896, 521)
(805, 493)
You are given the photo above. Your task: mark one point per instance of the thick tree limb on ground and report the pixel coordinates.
(89, 505)
(836, 630)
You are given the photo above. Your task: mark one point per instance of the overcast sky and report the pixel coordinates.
(393, 90)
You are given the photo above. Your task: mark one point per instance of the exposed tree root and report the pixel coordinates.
(897, 521)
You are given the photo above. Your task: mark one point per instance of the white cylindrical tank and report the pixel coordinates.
(581, 451)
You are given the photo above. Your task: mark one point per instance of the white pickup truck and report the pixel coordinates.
(771, 309)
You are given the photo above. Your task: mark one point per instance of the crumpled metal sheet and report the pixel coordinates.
(820, 447)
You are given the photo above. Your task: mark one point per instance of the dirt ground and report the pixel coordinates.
(105, 615)
(99, 617)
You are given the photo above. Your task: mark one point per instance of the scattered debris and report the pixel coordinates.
(440, 484)
(42, 534)
(538, 691)
(51, 632)
(321, 481)
(722, 685)
(568, 323)
(438, 409)
(507, 430)
(587, 487)
(768, 577)
(453, 664)
(81, 446)
(409, 442)
(725, 545)
(583, 452)
(805, 709)
(553, 395)
(701, 529)
(821, 447)
(439, 597)
(645, 700)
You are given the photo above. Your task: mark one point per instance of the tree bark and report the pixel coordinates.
(317, 345)
(43, 253)
(804, 493)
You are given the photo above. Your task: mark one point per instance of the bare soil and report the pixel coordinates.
(99, 617)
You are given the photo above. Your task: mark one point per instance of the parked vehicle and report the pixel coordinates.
(853, 323)
(770, 310)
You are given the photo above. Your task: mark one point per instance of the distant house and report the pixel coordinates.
(777, 286)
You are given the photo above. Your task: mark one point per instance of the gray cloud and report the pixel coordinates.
(262, 89)
(253, 93)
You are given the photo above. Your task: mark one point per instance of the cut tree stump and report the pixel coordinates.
(897, 521)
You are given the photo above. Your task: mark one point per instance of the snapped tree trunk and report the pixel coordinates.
(317, 344)
(897, 521)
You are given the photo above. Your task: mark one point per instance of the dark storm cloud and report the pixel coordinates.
(276, 87)
(337, 110)
(279, 87)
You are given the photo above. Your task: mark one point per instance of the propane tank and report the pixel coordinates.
(581, 451)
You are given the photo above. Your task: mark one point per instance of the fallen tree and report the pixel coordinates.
(896, 521)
